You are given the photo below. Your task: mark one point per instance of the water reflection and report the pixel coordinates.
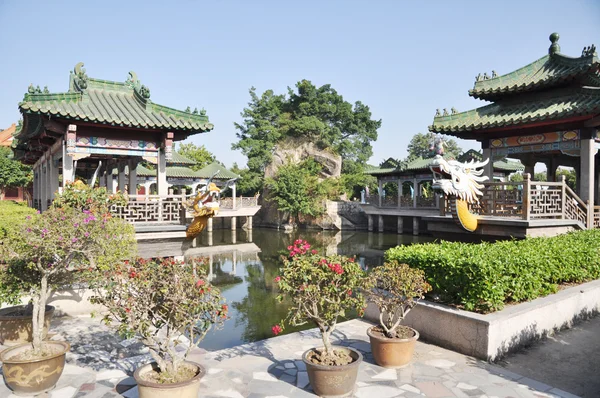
(244, 265)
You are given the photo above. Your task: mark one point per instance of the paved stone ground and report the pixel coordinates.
(569, 360)
(100, 366)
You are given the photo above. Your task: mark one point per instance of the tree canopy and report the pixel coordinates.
(318, 114)
(198, 153)
(12, 172)
(420, 144)
(298, 191)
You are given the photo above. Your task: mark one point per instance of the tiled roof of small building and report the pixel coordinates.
(6, 135)
(561, 104)
(553, 88)
(223, 173)
(178, 159)
(112, 103)
(550, 70)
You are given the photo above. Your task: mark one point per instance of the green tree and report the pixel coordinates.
(198, 153)
(248, 184)
(12, 173)
(298, 191)
(570, 177)
(317, 114)
(420, 144)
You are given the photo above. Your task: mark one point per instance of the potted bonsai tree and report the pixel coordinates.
(321, 290)
(52, 250)
(16, 321)
(395, 289)
(169, 306)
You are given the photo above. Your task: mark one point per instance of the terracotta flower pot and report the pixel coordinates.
(16, 327)
(184, 389)
(333, 381)
(33, 376)
(392, 353)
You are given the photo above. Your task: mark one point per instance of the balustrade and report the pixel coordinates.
(167, 209)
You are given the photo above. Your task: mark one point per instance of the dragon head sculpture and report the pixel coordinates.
(205, 205)
(462, 184)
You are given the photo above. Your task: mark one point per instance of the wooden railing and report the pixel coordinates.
(154, 209)
(530, 200)
(406, 201)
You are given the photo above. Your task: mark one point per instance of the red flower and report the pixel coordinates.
(277, 278)
(127, 310)
(349, 292)
(199, 283)
(132, 274)
(276, 329)
(314, 251)
(225, 307)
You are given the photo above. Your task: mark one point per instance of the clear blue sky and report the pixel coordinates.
(403, 59)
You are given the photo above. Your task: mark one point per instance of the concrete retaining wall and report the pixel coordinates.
(491, 336)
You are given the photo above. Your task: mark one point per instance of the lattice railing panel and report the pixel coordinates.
(389, 201)
(426, 202)
(545, 202)
(596, 220)
(575, 211)
(500, 201)
(251, 201)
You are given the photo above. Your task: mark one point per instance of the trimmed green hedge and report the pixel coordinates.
(12, 214)
(483, 277)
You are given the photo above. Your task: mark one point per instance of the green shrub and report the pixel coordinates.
(483, 277)
(12, 215)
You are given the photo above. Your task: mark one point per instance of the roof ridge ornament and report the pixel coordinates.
(80, 77)
(589, 51)
(144, 92)
(132, 81)
(554, 47)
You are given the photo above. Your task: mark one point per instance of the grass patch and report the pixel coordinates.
(484, 277)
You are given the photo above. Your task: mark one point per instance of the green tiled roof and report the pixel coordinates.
(500, 165)
(418, 164)
(106, 102)
(143, 171)
(550, 70)
(508, 165)
(178, 159)
(380, 170)
(172, 172)
(223, 173)
(470, 154)
(559, 104)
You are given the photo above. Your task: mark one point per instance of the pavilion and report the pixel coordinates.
(547, 111)
(99, 123)
(414, 174)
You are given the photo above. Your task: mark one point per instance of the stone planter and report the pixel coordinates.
(333, 381)
(34, 376)
(16, 328)
(392, 353)
(184, 389)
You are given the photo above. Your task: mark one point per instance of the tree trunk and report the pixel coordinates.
(39, 312)
(327, 342)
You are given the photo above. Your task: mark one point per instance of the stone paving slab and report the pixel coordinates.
(100, 365)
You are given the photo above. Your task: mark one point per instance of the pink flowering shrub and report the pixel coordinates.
(320, 288)
(161, 301)
(59, 248)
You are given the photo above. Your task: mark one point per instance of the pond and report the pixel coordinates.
(244, 265)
